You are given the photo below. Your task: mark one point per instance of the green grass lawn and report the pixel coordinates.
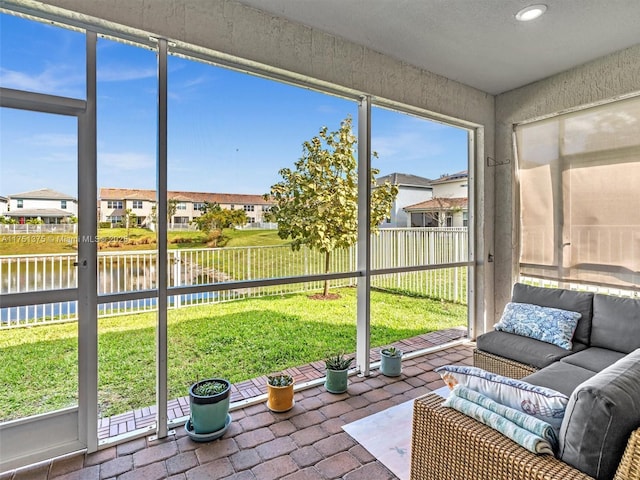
(118, 239)
(236, 340)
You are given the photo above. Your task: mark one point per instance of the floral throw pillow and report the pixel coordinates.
(551, 325)
(541, 402)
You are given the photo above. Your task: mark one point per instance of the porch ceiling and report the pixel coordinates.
(475, 42)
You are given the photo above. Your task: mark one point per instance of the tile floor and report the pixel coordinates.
(178, 408)
(305, 443)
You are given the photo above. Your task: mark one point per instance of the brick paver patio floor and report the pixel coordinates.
(305, 443)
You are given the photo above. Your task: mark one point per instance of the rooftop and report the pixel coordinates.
(43, 193)
(150, 195)
(451, 178)
(439, 203)
(38, 212)
(405, 179)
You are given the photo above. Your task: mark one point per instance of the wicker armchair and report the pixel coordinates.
(447, 445)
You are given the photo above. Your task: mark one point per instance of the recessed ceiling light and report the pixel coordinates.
(531, 12)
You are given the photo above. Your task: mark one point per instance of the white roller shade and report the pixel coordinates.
(580, 196)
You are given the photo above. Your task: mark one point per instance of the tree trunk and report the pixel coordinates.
(327, 257)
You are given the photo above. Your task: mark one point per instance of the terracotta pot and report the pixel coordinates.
(280, 399)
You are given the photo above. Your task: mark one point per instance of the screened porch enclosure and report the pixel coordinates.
(399, 284)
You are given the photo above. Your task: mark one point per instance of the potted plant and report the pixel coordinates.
(280, 393)
(209, 403)
(391, 361)
(337, 369)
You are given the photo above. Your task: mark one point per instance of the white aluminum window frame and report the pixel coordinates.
(63, 431)
(363, 272)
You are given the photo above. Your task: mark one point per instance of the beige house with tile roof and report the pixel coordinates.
(439, 212)
(114, 202)
(449, 206)
(51, 206)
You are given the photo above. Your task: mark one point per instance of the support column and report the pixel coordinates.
(363, 339)
(88, 258)
(161, 264)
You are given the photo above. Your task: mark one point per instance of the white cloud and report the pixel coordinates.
(192, 82)
(54, 140)
(406, 146)
(123, 73)
(127, 161)
(326, 109)
(412, 145)
(59, 157)
(58, 80)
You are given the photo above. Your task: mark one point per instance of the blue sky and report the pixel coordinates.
(228, 131)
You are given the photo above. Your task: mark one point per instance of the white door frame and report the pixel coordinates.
(29, 440)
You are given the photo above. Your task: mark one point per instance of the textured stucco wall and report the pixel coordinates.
(601, 80)
(234, 29)
(229, 27)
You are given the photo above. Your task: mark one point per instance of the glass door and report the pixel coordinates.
(41, 319)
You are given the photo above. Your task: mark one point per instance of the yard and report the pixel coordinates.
(118, 239)
(237, 340)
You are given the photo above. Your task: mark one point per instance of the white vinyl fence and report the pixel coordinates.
(120, 272)
(28, 229)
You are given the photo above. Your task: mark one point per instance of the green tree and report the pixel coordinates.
(172, 206)
(214, 218)
(316, 203)
(129, 219)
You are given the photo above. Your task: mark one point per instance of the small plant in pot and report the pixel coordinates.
(337, 371)
(391, 361)
(209, 404)
(280, 393)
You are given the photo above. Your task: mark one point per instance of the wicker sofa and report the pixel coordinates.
(449, 445)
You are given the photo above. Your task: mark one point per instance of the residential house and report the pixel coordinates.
(4, 205)
(50, 206)
(449, 206)
(411, 189)
(455, 185)
(114, 202)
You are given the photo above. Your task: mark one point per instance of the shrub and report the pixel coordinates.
(207, 389)
(282, 380)
(338, 362)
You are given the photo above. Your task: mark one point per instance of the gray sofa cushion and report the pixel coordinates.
(616, 323)
(561, 377)
(581, 302)
(524, 349)
(594, 358)
(602, 413)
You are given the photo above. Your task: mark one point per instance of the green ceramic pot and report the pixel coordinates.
(209, 412)
(391, 365)
(336, 381)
